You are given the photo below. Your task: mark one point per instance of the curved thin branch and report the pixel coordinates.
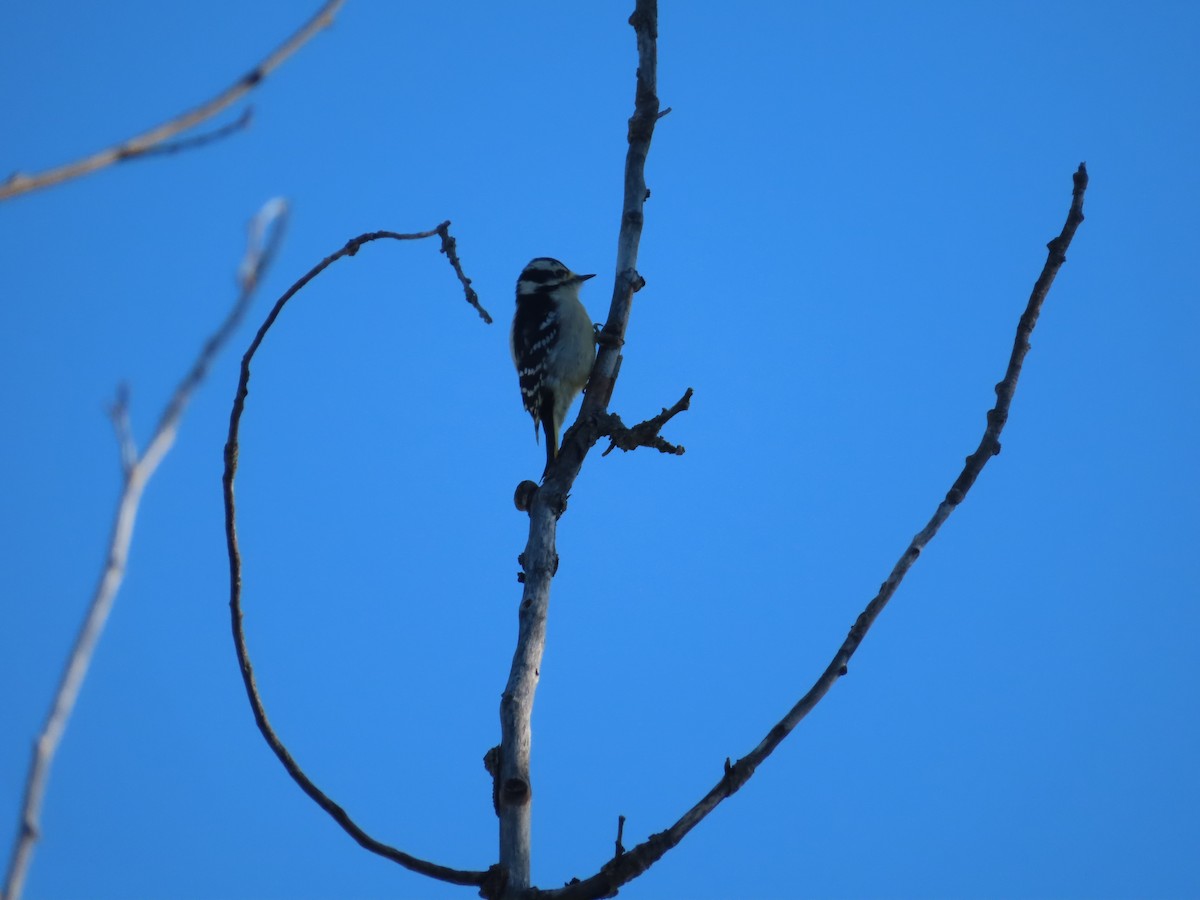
(627, 866)
(540, 559)
(137, 472)
(151, 141)
(339, 815)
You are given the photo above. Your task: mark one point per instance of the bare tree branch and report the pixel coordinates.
(627, 866)
(153, 140)
(645, 434)
(137, 471)
(540, 559)
(339, 815)
(450, 248)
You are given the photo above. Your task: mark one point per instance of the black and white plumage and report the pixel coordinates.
(553, 344)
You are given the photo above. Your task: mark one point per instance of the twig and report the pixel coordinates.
(137, 471)
(622, 869)
(540, 558)
(450, 248)
(148, 141)
(199, 140)
(339, 815)
(123, 430)
(645, 434)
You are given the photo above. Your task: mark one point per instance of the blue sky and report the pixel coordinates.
(850, 205)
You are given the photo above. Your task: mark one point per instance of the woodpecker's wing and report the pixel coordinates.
(534, 333)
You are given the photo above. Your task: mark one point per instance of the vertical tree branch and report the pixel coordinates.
(137, 472)
(540, 559)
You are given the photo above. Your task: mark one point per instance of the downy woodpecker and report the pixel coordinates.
(553, 344)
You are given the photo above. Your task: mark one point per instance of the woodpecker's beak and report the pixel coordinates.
(585, 277)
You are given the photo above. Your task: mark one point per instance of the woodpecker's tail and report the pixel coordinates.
(551, 441)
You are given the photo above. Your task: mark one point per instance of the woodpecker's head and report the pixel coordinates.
(545, 275)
